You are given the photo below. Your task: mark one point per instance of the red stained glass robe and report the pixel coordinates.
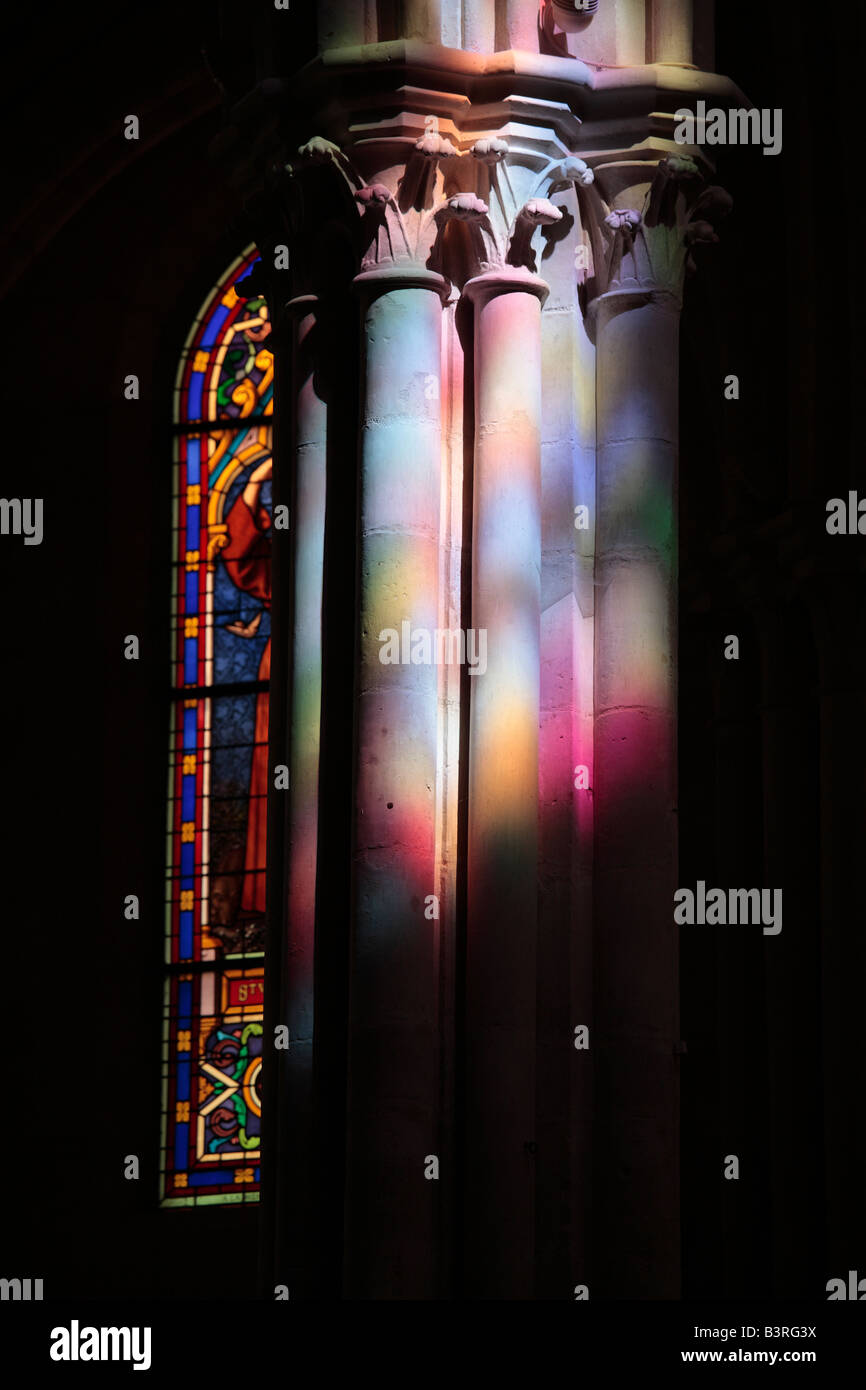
(248, 560)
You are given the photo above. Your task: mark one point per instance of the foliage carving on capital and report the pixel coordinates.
(393, 226)
(418, 184)
(535, 213)
(322, 151)
(465, 237)
(491, 150)
(443, 204)
(650, 249)
(516, 226)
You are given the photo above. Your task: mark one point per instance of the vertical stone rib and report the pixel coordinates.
(630, 25)
(479, 26)
(502, 869)
(393, 1017)
(422, 19)
(672, 31)
(636, 949)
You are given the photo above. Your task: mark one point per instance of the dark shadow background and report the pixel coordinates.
(106, 256)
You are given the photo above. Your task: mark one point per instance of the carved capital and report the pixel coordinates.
(394, 221)
(649, 251)
(457, 201)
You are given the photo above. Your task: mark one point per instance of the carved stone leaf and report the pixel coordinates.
(490, 150)
(541, 212)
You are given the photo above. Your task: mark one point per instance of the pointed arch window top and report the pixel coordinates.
(226, 371)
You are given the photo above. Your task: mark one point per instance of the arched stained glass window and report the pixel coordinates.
(217, 784)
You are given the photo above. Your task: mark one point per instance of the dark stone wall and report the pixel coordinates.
(771, 768)
(110, 288)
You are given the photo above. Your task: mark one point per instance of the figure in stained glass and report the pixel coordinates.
(247, 558)
(218, 775)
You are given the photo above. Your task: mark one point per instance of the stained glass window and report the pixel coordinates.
(217, 777)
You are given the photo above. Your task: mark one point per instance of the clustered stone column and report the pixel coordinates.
(446, 1184)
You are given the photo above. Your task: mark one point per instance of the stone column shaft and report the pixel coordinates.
(635, 795)
(294, 725)
(502, 841)
(393, 1118)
